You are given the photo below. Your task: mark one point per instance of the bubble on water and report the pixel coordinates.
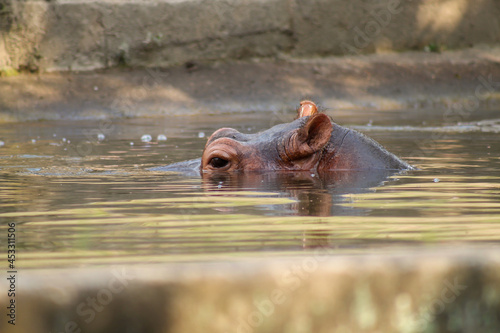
(436, 180)
(2, 143)
(201, 135)
(100, 136)
(96, 88)
(161, 137)
(63, 139)
(131, 143)
(33, 140)
(146, 138)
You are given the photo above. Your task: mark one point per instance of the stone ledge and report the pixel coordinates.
(414, 80)
(408, 292)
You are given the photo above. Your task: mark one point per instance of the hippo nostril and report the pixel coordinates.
(218, 162)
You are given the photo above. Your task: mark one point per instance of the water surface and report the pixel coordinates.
(80, 192)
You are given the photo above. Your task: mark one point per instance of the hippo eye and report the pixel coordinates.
(218, 162)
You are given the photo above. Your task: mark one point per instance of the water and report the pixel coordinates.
(81, 195)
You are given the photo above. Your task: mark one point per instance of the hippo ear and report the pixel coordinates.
(316, 131)
(310, 138)
(307, 108)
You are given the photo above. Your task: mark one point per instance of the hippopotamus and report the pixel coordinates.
(312, 142)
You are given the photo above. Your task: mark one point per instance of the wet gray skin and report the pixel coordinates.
(346, 149)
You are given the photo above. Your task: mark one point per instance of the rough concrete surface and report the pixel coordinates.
(463, 80)
(455, 291)
(87, 34)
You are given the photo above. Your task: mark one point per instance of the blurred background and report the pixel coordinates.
(83, 35)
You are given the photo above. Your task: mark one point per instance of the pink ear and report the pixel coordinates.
(307, 108)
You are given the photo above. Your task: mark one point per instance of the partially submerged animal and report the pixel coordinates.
(310, 143)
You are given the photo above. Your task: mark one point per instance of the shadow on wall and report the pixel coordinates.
(366, 26)
(85, 36)
(6, 17)
(22, 31)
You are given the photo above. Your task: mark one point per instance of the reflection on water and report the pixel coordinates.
(99, 204)
(316, 194)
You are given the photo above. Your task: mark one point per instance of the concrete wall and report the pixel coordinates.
(407, 293)
(88, 34)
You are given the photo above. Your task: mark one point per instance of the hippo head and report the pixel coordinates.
(293, 146)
